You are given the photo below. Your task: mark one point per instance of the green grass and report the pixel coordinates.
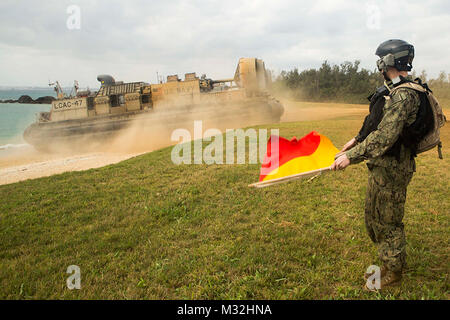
(148, 229)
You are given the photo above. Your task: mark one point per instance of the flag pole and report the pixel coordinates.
(263, 184)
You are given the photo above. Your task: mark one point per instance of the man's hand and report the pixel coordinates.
(348, 145)
(340, 163)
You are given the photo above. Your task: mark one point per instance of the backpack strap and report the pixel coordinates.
(410, 85)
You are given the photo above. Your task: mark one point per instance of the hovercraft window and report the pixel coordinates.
(117, 100)
(145, 98)
(90, 103)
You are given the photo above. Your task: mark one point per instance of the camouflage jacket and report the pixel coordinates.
(399, 110)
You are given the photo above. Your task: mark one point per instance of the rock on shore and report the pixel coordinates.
(30, 100)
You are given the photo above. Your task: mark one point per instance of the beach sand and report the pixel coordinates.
(30, 164)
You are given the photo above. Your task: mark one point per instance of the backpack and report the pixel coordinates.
(431, 139)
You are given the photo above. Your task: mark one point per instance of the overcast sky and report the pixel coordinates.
(132, 40)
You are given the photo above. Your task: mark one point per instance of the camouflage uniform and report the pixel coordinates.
(388, 177)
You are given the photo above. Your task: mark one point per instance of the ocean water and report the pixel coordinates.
(15, 117)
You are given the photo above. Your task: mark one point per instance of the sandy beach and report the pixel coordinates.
(30, 164)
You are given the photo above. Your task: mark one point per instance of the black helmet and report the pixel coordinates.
(395, 53)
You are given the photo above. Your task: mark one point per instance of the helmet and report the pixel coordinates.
(395, 53)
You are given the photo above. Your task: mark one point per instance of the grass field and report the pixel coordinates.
(148, 229)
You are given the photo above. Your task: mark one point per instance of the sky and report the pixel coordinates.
(133, 40)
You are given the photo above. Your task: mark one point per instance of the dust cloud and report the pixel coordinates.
(148, 132)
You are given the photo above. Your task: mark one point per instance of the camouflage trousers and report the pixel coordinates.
(384, 210)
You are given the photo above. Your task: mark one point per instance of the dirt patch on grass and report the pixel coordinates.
(314, 111)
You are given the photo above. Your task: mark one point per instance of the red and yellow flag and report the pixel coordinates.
(313, 151)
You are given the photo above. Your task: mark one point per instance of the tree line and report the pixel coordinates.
(346, 82)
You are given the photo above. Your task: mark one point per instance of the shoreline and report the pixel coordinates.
(16, 169)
